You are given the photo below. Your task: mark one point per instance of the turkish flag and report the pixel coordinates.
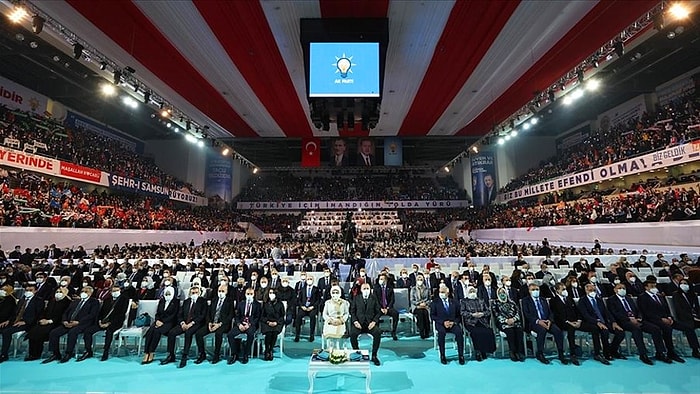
(310, 152)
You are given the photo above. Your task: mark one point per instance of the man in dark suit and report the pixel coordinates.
(110, 319)
(325, 280)
(25, 317)
(364, 314)
(568, 319)
(634, 286)
(625, 313)
(244, 322)
(218, 321)
(487, 289)
(436, 277)
(598, 320)
(656, 311)
(403, 282)
(80, 315)
(459, 292)
(385, 294)
(415, 270)
(687, 309)
(538, 319)
(445, 314)
(309, 298)
(191, 317)
(472, 274)
(365, 154)
(44, 289)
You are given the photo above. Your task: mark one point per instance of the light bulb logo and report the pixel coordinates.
(343, 65)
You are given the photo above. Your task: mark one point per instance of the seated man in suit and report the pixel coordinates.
(25, 317)
(538, 319)
(544, 270)
(245, 322)
(656, 311)
(110, 319)
(486, 290)
(567, 317)
(309, 298)
(191, 317)
(687, 308)
(403, 282)
(634, 286)
(385, 294)
(625, 313)
(597, 320)
(445, 314)
(364, 316)
(80, 315)
(218, 319)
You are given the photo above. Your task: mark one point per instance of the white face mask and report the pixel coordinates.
(362, 274)
(415, 270)
(535, 293)
(222, 294)
(443, 296)
(404, 275)
(654, 290)
(249, 298)
(83, 296)
(326, 274)
(419, 282)
(685, 287)
(335, 296)
(272, 296)
(365, 293)
(274, 276)
(381, 282)
(285, 284)
(616, 281)
(592, 294)
(240, 273)
(310, 282)
(59, 296)
(167, 283)
(194, 297)
(263, 285)
(166, 275)
(574, 284)
(144, 284)
(116, 294)
(487, 283)
(507, 283)
(530, 281)
(253, 278)
(39, 281)
(593, 279)
(168, 297)
(471, 296)
(633, 279)
(564, 293)
(622, 292)
(3, 293)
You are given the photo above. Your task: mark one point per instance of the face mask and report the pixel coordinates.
(274, 276)
(487, 283)
(404, 275)
(221, 277)
(654, 290)
(64, 283)
(530, 281)
(224, 283)
(83, 295)
(593, 279)
(253, 278)
(574, 284)
(150, 273)
(240, 273)
(419, 282)
(471, 296)
(285, 284)
(194, 297)
(326, 274)
(310, 282)
(502, 297)
(535, 293)
(167, 283)
(3, 293)
(552, 282)
(616, 281)
(471, 269)
(263, 285)
(85, 284)
(564, 293)
(507, 283)
(592, 294)
(365, 293)
(633, 279)
(200, 275)
(116, 294)
(144, 284)
(272, 296)
(39, 281)
(59, 296)
(166, 275)
(168, 297)
(415, 270)
(362, 273)
(622, 292)
(381, 282)
(443, 296)
(249, 298)
(303, 277)
(685, 287)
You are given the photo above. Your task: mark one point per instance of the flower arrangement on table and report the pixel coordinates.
(338, 356)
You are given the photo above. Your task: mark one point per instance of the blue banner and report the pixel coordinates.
(219, 179)
(76, 121)
(393, 151)
(484, 185)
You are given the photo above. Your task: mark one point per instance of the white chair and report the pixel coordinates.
(145, 306)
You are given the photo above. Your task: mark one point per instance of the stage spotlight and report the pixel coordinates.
(447, 169)
(108, 89)
(679, 11)
(77, 51)
(37, 24)
(568, 100)
(103, 65)
(33, 45)
(619, 48)
(117, 77)
(514, 133)
(200, 144)
(507, 137)
(225, 152)
(17, 14)
(129, 69)
(164, 113)
(501, 141)
(577, 94)
(526, 126)
(130, 102)
(475, 149)
(595, 63)
(255, 170)
(592, 85)
(534, 120)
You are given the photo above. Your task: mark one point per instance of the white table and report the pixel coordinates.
(362, 366)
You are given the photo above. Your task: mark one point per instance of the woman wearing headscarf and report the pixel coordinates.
(476, 317)
(508, 320)
(336, 313)
(166, 314)
(420, 306)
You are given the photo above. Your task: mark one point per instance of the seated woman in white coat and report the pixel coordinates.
(336, 312)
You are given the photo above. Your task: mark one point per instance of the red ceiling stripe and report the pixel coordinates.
(602, 23)
(126, 25)
(243, 31)
(470, 30)
(354, 8)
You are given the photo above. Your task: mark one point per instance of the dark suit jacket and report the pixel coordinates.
(617, 310)
(31, 313)
(118, 309)
(225, 314)
(199, 312)
(46, 290)
(653, 311)
(314, 300)
(563, 311)
(588, 313)
(87, 314)
(323, 282)
(439, 315)
(530, 311)
(8, 308)
(253, 318)
(685, 304)
(167, 316)
(402, 283)
(389, 296)
(365, 311)
(483, 294)
(435, 280)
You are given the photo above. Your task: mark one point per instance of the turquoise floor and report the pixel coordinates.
(408, 366)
